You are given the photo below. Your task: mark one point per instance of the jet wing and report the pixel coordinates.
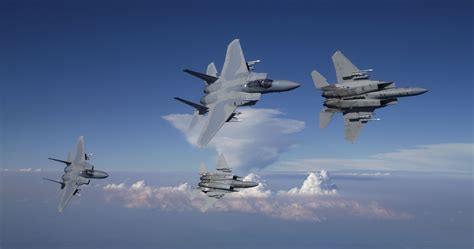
(353, 124)
(220, 112)
(67, 192)
(343, 66)
(234, 63)
(218, 115)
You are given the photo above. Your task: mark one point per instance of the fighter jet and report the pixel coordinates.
(237, 85)
(356, 96)
(77, 172)
(219, 183)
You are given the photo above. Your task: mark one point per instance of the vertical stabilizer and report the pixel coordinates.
(211, 70)
(80, 154)
(222, 164)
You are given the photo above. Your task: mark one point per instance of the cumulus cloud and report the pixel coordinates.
(256, 142)
(315, 200)
(456, 157)
(112, 186)
(140, 195)
(315, 184)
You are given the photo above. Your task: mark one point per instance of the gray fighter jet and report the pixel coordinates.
(237, 85)
(356, 96)
(77, 172)
(221, 182)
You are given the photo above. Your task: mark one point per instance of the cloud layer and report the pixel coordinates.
(315, 200)
(455, 157)
(256, 142)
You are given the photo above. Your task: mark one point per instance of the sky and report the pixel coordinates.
(109, 70)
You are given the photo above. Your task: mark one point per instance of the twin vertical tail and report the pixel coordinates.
(326, 114)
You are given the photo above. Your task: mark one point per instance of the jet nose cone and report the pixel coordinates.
(99, 174)
(252, 184)
(284, 85)
(419, 90)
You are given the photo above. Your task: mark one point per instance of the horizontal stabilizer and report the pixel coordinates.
(200, 108)
(207, 78)
(61, 161)
(325, 117)
(51, 180)
(319, 80)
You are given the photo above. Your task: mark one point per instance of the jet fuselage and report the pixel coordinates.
(373, 99)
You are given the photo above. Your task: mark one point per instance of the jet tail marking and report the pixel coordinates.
(61, 161)
(200, 108)
(319, 80)
(207, 78)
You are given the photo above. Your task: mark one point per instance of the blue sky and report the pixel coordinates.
(108, 70)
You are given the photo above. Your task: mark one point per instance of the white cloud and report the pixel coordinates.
(256, 142)
(315, 200)
(25, 170)
(315, 184)
(112, 186)
(456, 157)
